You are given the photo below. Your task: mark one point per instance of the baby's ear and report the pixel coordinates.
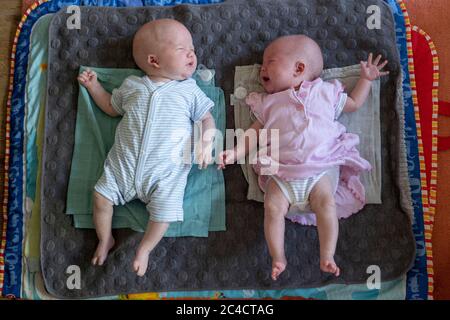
(299, 68)
(153, 60)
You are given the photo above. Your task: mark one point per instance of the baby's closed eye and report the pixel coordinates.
(186, 48)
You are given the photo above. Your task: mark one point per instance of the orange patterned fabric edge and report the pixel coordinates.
(428, 207)
(429, 216)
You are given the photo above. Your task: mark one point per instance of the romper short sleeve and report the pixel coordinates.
(338, 97)
(120, 96)
(255, 101)
(200, 105)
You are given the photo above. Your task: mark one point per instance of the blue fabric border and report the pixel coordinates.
(14, 231)
(417, 277)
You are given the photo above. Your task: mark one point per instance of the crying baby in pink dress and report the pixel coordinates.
(318, 165)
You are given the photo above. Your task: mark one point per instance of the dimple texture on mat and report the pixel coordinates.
(225, 35)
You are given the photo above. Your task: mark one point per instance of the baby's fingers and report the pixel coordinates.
(82, 78)
(377, 60)
(86, 74)
(369, 59)
(381, 66)
(384, 73)
(206, 161)
(90, 73)
(221, 158)
(219, 161)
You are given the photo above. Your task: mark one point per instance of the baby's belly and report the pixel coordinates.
(288, 149)
(150, 150)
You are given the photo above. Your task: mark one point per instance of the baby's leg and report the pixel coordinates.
(322, 204)
(103, 212)
(275, 209)
(154, 233)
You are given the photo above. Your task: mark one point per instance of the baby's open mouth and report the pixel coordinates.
(265, 79)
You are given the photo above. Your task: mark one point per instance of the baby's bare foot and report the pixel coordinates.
(140, 262)
(328, 265)
(278, 267)
(101, 252)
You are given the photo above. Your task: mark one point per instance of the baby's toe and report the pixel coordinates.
(330, 267)
(141, 272)
(136, 266)
(277, 269)
(336, 271)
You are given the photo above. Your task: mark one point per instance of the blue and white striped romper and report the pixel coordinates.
(156, 125)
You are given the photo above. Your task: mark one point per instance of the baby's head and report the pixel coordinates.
(290, 60)
(164, 49)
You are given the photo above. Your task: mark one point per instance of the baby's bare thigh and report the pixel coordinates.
(322, 192)
(274, 198)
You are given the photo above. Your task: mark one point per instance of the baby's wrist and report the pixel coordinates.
(239, 153)
(365, 79)
(207, 140)
(94, 85)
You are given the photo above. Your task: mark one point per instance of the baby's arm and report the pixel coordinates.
(243, 147)
(208, 132)
(102, 98)
(208, 126)
(369, 72)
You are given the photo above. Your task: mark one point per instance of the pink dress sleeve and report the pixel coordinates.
(255, 101)
(337, 97)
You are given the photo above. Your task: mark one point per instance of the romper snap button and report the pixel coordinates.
(264, 161)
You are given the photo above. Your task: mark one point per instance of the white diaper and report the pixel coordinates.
(297, 192)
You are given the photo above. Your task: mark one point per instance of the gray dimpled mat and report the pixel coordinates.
(225, 35)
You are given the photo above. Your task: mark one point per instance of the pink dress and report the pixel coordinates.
(311, 141)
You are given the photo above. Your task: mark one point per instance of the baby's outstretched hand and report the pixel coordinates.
(88, 78)
(372, 70)
(205, 156)
(226, 157)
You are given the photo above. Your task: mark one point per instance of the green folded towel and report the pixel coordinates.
(204, 199)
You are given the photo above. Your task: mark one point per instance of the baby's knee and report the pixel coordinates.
(274, 209)
(322, 201)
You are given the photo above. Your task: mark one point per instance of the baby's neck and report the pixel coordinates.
(301, 82)
(298, 87)
(156, 78)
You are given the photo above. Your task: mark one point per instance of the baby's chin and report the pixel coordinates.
(269, 89)
(266, 87)
(271, 86)
(183, 76)
(187, 73)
